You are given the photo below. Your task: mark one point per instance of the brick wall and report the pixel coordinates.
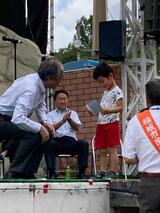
(82, 88)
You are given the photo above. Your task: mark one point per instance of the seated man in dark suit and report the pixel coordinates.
(66, 122)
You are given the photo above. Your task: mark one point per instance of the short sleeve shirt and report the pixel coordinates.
(56, 115)
(109, 99)
(137, 144)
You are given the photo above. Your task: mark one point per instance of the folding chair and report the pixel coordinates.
(64, 156)
(93, 156)
(2, 167)
(123, 165)
(128, 169)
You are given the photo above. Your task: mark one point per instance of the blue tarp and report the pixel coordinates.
(74, 65)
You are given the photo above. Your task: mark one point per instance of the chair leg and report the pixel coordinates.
(2, 168)
(94, 162)
(123, 163)
(94, 156)
(91, 164)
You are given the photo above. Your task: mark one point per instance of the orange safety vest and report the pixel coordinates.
(150, 128)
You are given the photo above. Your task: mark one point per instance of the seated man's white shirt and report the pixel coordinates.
(137, 144)
(56, 115)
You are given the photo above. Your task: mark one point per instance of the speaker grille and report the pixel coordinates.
(112, 40)
(152, 17)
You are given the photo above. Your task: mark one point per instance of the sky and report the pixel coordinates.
(67, 12)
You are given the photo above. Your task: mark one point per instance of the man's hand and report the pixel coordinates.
(67, 115)
(131, 161)
(44, 134)
(49, 127)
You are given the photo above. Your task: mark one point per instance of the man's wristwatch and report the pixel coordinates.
(44, 122)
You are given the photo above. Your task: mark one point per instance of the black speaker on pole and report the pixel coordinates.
(112, 40)
(152, 18)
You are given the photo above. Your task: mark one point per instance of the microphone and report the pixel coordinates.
(14, 41)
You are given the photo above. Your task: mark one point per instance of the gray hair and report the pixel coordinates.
(51, 68)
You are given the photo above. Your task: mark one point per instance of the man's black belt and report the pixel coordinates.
(7, 117)
(149, 175)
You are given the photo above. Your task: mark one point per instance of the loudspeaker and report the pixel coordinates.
(112, 40)
(152, 17)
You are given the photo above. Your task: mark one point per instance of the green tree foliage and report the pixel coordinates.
(66, 54)
(84, 34)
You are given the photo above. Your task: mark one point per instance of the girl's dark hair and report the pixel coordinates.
(103, 70)
(60, 91)
(51, 68)
(153, 91)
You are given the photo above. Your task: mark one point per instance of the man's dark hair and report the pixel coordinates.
(50, 68)
(60, 91)
(153, 91)
(103, 70)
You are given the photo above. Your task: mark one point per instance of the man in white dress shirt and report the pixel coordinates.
(142, 147)
(25, 96)
(66, 123)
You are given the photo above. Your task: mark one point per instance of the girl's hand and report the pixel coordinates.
(105, 111)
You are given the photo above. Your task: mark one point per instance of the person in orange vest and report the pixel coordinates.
(142, 147)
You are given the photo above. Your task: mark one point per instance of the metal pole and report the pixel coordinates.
(49, 94)
(123, 77)
(51, 18)
(78, 55)
(99, 14)
(15, 61)
(140, 63)
(26, 11)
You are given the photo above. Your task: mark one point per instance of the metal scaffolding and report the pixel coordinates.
(99, 14)
(51, 27)
(50, 51)
(140, 64)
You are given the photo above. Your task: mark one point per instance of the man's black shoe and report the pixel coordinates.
(80, 176)
(14, 175)
(29, 176)
(51, 174)
(81, 172)
(8, 175)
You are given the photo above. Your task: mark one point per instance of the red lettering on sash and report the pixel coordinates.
(150, 128)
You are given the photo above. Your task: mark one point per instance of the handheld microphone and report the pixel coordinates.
(15, 41)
